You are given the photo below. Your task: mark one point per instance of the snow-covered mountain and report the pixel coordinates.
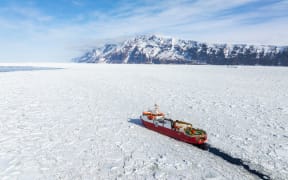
(162, 50)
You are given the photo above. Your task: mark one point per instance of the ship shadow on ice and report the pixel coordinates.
(25, 68)
(135, 121)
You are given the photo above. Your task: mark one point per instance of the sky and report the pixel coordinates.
(58, 30)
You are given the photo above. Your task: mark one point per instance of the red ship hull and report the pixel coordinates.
(174, 134)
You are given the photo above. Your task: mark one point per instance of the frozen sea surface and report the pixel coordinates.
(82, 121)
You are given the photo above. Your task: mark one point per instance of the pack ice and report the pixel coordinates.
(82, 121)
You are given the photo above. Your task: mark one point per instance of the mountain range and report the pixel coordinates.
(152, 49)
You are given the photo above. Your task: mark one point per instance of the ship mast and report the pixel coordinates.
(156, 109)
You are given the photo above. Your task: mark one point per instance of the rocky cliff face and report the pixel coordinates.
(159, 50)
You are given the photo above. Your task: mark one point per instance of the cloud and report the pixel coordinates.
(180, 19)
(238, 21)
(18, 13)
(77, 3)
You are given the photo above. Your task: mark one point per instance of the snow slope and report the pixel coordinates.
(81, 122)
(152, 49)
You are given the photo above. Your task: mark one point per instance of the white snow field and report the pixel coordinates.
(82, 122)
